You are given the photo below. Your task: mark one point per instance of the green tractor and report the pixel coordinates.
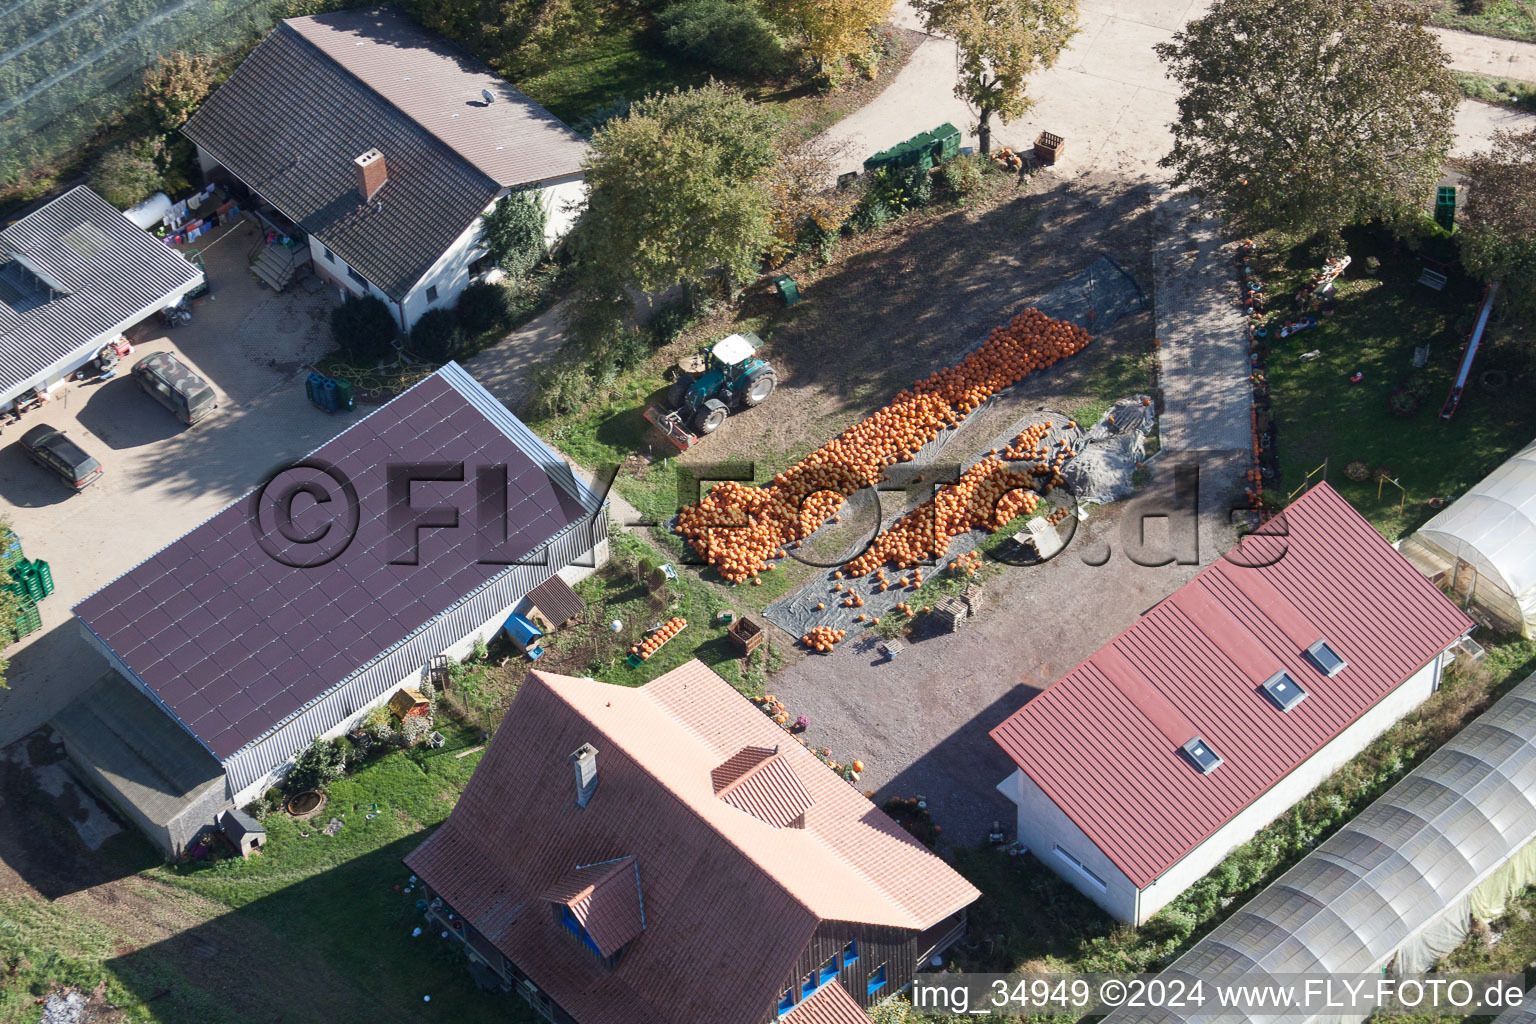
(726, 376)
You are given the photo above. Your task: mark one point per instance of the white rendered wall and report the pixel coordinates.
(1042, 824)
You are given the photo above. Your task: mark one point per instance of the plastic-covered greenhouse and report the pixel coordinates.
(1400, 883)
(1485, 543)
(1525, 1013)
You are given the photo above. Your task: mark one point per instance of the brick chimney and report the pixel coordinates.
(371, 173)
(585, 760)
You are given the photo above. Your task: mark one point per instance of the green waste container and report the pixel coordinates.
(788, 290)
(1445, 206)
(946, 138)
(344, 399)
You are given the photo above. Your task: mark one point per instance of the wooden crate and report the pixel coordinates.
(746, 635)
(1048, 147)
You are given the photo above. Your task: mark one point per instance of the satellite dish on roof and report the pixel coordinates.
(486, 95)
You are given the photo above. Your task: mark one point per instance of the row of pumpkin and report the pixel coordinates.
(739, 528)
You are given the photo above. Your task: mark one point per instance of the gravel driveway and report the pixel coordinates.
(920, 722)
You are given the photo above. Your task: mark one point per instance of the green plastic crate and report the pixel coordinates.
(28, 620)
(44, 576)
(25, 573)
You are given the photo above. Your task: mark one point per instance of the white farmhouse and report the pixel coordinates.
(376, 146)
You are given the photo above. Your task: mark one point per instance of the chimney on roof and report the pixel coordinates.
(585, 761)
(371, 173)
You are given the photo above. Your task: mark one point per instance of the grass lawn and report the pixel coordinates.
(622, 62)
(620, 591)
(625, 62)
(1380, 319)
(311, 929)
(1507, 19)
(1509, 92)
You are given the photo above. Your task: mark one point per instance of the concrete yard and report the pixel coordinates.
(162, 478)
(920, 722)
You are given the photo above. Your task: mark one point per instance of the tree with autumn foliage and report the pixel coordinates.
(1310, 115)
(830, 31)
(798, 195)
(1001, 43)
(1498, 222)
(676, 195)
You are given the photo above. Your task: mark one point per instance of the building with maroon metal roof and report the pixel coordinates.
(697, 865)
(310, 600)
(1140, 769)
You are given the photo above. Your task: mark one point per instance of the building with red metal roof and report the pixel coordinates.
(1140, 769)
(668, 855)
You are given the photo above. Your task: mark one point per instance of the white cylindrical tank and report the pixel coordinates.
(150, 212)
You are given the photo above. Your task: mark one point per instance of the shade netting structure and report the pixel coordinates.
(1395, 888)
(1485, 543)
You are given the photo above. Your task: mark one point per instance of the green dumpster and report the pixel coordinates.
(1445, 206)
(788, 290)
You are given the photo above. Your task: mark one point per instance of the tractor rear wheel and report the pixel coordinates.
(679, 390)
(711, 414)
(759, 388)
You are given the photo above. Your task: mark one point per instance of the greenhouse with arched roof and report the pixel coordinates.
(1484, 544)
(1396, 888)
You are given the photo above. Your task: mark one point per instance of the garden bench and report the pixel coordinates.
(1434, 279)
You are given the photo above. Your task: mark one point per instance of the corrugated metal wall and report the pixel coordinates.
(253, 766)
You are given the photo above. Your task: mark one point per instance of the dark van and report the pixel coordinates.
(172, 383)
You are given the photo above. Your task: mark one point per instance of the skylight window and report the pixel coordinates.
(1202, 756)
(1326, 658)
(1284, 691)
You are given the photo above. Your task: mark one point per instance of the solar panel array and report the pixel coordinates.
(233, 641)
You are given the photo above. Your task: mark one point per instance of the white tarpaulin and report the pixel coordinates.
(1492, 528)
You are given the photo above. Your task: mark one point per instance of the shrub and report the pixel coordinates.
(513, 233)
(669, 322)
(380, 724)
(485, 307)
(728, 35)
(437, 336)
(414, 729)
(869, 216)
(627, 348)
(960, 176)
(561, 390)
(315, 768)
(124, 178)
(364, 329)
(593, 120)
(174, 86)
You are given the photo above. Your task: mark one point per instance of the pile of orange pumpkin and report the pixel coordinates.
(738, 528)
(823, 638)
(986, 496)
(652, 643)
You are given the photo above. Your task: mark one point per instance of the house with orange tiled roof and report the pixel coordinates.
(665, 854)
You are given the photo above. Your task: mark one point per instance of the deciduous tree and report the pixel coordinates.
(831, 30)
(676, 192)
(1498, 223)
(1001, 43)
(1308, 115)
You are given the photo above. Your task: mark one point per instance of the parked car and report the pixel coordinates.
(172, 383)
(49, 448)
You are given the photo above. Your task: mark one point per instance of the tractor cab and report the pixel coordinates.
(727, 375)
